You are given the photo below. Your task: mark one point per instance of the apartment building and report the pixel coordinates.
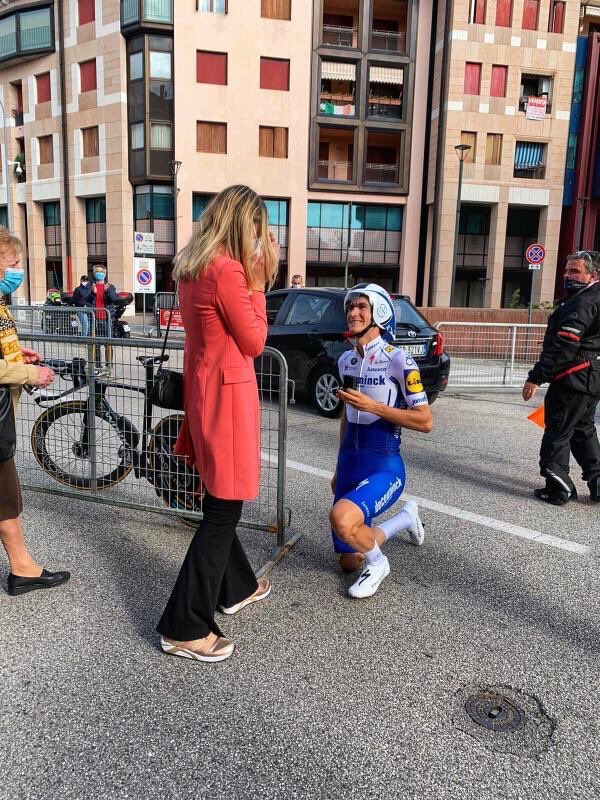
(502, 84)
(320, 106)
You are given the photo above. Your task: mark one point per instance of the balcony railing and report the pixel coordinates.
(8, 44)
(152, 11)
(537, 173)
(339, 36)
(130, 11)
(381, 173)
(390, 109)
(388, 40)
(36, 38)
(334, 170)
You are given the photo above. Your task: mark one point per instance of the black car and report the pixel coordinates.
(307, 326)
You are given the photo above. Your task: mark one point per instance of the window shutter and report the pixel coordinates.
(87, 75)
(493, 148)
(280, 143)
(503, 13)
(275, 9)
(219, 138)
(43, 87)
(472, 76)
(479, 12)
(557, 17)
(211, 67)
(470, 138)
(46, 150)
(87, 11)
(265, 141)
(90, 142)
(498, 85)
(530, 15)
(275, 74)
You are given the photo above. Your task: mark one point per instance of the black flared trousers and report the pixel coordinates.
(215, 572)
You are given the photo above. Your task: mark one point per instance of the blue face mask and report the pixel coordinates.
(99, 276)
(11, 281)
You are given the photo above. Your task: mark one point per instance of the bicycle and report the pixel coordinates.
(70, 436)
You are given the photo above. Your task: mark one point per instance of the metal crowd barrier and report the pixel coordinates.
(91, 434)
(163, 308)
(57, 320)
(490, 354)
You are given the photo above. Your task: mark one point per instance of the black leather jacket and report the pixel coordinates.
(571, 349)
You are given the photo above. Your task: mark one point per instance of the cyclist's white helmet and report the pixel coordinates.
(382, 308)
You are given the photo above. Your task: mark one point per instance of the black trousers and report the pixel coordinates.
(215, 572)
(570, 428)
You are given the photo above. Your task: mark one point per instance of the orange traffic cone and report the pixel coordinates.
(537, 417)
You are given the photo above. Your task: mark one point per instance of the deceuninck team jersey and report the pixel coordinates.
(370, 470)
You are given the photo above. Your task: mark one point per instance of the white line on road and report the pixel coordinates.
(459, 513)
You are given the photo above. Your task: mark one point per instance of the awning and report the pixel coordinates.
(528, 155)
(386, 75)
(338, 71)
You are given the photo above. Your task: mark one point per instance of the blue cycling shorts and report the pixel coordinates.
(372, 481)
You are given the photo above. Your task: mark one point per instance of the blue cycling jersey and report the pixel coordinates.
(370, 469)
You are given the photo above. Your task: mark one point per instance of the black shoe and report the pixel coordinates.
(555, 498)
(594, 487)
(20, 585)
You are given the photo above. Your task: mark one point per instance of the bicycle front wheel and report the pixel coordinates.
(59, 445)
(177, 484)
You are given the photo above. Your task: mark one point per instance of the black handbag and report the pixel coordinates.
(167, 387)
(8, 431)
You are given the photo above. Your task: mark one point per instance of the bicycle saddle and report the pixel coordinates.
(148, 361)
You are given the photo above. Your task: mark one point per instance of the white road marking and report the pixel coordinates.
(459, 513)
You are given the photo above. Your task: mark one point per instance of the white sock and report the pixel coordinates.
(374, 555)
(392, 526)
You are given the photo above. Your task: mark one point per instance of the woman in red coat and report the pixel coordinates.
(222, 274)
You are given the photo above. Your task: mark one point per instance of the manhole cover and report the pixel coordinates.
(504, 720)
(495, 712)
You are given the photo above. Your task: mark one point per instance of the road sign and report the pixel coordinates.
(534, 266)
(143, 243)
(144, 275)
(535, 253)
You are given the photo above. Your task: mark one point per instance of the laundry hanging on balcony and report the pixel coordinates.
(528, 155)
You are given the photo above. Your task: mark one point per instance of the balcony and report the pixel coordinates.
(381, 173)
(386, 88)
(336, 154)
(383, 158)
(389, 26)
(338, 86)
(530, 160)
(340, 23)
(26, 33)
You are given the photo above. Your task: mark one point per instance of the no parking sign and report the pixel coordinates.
(144, 275)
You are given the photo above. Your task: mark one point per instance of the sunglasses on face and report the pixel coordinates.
(584, 255)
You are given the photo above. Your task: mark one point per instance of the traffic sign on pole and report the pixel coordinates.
(535, 253)
(144, 275)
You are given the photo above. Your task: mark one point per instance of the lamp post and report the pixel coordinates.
(175, 165)
(461, 152)
(6, 165)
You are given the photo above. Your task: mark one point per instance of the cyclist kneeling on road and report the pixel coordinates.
(370, 474)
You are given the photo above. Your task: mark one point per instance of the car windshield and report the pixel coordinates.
(405, 313)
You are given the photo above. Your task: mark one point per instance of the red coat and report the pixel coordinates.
(225, 330)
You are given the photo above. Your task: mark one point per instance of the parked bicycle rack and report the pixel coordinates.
(91, 434)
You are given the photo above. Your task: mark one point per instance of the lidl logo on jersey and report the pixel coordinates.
(412, 381)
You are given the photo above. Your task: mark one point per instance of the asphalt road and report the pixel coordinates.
(325, 697)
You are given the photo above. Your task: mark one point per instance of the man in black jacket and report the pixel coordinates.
(570, 363)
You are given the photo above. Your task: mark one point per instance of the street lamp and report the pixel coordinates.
(461, 152)
(7, 164)
(175, 165)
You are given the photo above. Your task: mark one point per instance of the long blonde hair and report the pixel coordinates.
(231, 222)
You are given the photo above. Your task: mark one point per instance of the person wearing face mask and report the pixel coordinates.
(83, 297)
(18, 366)
(104, 298)
(570, 363)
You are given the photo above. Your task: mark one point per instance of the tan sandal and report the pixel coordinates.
(218, 650)
(263, 590)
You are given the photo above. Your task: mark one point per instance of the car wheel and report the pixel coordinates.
(432, 397)
(323, 395)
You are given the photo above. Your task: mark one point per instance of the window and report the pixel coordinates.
(87, 75)
(95, 218)
(275, 9)
(307, 310)
(498, 84)
(52, 232)
(535, 86)
(272, 142)
(493, 148)
(87, 11)
(137, 136)
(211, 137)
(42, 85)
(386, 91)
(8, 36)
(211, 67)
(382, 157)
(530, 160)
(472, 77)
(160, 65)
(46, 149)
(214, 6)
(504, 13)
(274, 303)
(335, 158)
(90, 142)
(338, 85)
(35, 29)
(277, 215)
(556, 22)
(389, 25)
(160, 136)
(469, 138)
(158, 11)
(4, 216)
(477, 11)
(531, 10)
(275, 74)
(136, 66)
